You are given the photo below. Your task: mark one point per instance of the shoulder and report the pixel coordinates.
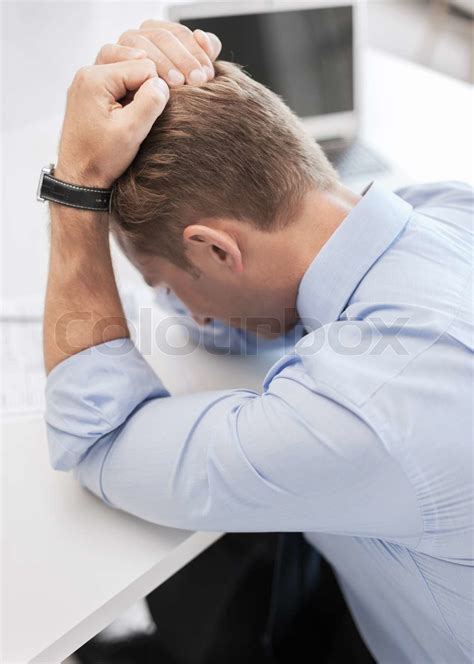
(445, 194)
(357, 357)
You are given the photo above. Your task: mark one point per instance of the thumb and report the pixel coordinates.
(148, 104)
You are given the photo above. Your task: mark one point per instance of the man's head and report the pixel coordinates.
(211, 205)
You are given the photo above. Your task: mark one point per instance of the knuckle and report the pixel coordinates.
(104, 51)
(82, 75)
(148, 23)
(148, 66)
(127, 38)
(160, 34)
(149, 63)
(182, 30)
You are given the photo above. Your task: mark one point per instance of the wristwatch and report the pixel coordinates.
(72, 195)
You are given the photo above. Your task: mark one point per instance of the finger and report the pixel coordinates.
(209, 42)
(116, 53)
(154, 24)
(179, 55)
(165, 68)
(204, 42)
(187, 38)
(118, 78)
(147, 105)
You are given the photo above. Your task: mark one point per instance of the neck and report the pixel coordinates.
(295, 247)
(321, 214)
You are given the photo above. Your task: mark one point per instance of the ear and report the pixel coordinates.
(207, 246)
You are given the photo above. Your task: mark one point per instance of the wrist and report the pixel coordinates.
(81, 177)
(79, 243)
(80, 228)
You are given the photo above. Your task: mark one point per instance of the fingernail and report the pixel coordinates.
(160, 85)
(197, 76)
(209, 72)
(175, 77)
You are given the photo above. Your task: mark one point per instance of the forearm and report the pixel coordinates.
(82, 306)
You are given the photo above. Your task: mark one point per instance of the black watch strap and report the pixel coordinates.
(72, 195)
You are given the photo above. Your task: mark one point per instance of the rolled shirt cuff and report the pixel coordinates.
(93, 392)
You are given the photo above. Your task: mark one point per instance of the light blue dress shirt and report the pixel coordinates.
(362, 438)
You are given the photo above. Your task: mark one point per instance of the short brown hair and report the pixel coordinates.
(229, 148)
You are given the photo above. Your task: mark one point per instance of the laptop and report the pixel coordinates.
(309, 53)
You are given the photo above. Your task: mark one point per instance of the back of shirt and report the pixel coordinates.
(362, 437)
(413, 383)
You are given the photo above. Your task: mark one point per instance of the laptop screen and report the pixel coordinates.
(306, 56)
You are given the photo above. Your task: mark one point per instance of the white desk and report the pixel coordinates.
(70, 564)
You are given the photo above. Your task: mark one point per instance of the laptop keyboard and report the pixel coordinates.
(352, 159)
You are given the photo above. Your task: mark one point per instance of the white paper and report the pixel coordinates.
(23, 378)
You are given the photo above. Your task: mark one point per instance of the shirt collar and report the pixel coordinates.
(363, 236)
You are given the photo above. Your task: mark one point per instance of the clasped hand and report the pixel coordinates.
(112, 105)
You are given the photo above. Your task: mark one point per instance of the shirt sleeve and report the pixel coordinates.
(221, 339)
(291, 459)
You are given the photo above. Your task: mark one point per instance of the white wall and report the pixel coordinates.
(43, 44)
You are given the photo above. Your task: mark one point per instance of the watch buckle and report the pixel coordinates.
(47, 170)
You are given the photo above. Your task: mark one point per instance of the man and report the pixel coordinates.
(362, 437)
